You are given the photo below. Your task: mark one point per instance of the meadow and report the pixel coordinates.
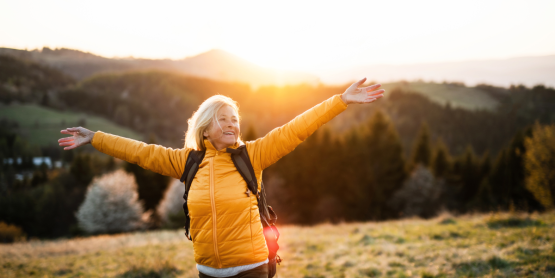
(482, 245)
(458, 95)
(41, 126)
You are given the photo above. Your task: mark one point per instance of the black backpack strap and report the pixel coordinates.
(191, 168)
(240, 158)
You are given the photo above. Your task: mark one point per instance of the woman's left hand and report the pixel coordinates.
(354, 94)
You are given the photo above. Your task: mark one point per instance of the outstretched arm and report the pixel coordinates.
(282, 140)
(165, 161)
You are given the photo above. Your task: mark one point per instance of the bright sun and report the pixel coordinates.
(293, 35)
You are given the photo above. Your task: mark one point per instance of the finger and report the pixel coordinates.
(66, 139)
(74, 129)
(70, 147)
(67, 144)
(375, 96)
(64, 131)
(373, 87)
(360, 82)
(381, 91)
(368, 100)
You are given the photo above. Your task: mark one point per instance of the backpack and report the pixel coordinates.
(268, 217)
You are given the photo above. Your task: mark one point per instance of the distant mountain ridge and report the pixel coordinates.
(220, 65)
(529, 71)
(215, 64)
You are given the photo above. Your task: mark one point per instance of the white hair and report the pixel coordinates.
(201, 119)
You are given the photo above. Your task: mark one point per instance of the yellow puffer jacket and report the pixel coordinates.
(225, 223)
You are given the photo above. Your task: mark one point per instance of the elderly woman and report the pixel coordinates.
(225, 227)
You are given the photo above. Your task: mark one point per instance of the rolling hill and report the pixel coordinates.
(41, 126)
(223, 66)
(160, 102)
(214, 64)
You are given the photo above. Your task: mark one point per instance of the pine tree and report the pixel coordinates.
(469, 174)
(505, 183)
(422, 150)
(520, 196)
(353, 192)
(539, 162)
(484, 166)
(383, 167)
(441, 161)
(325, 156)
(301, 171)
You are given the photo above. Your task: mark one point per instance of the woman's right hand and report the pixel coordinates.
(81, 136)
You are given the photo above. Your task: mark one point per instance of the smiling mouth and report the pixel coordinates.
(229, 133)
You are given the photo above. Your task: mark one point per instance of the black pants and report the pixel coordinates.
(257, 272)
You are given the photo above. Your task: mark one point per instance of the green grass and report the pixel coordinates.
(467, 246)
(41, 126)
(459, 96)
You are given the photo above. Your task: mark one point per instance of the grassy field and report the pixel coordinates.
(459, 96)
(493, 245)
(41, 126)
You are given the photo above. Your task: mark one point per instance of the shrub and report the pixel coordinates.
(419, 195)
(170, 208)
(10, 233)
(111, 205)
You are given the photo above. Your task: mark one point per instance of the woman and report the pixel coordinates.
(225, 223)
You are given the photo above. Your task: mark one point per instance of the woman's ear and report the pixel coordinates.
(205, 132)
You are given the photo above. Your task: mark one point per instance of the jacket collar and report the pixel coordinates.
(211, 149)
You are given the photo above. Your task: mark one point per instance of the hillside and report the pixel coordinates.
(457, 95)
(41, 126)
(214, 64)
(469, 246)
(27, 81)
(160, 102)
(220, 65)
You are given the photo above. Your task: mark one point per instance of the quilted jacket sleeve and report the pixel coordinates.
(283, 140)
(156, 158)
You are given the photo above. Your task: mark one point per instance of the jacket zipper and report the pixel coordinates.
(212, 202)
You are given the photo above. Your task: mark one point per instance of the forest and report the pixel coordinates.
(405, 155)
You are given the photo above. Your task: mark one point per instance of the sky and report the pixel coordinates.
(289, 35)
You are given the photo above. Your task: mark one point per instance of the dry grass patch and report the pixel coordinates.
(492, 245)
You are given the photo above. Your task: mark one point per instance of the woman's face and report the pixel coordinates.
(228, 134)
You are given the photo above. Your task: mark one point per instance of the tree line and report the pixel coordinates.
(404, 156)
(364, 175)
